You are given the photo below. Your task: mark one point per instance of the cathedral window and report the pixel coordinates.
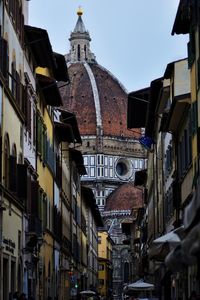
(92, 161)
(111, 172)
(106, 160)
(110, 161)
(92, 172)
(79, 53)
(100, 159)
(85, 52)
(85, 160)
(106, 172)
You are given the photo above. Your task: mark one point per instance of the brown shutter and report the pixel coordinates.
(17, 89)
(12, 173)
(4, 57)
(22, 181)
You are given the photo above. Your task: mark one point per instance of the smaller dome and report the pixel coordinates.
(125, 197)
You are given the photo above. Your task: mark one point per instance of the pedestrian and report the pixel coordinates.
(193, 296)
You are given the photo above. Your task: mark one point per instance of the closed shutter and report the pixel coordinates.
(13, 173)
(4, 58)
(22, 181)
(18, 100)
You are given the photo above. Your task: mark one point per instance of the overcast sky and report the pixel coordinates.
(131, 38)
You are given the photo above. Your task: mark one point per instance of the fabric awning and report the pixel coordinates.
(64, 132)
(182, 20)
(60, 70)
(192, 210)
(171, 237)
(187, 252)
(161, 246)
(50, 90)
(77, 157)
(140, 177)
(38, 40)
(139, 285)
(158, 252)
(137, 108)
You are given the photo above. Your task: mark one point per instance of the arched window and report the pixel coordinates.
(85, 52)
(6, 160)
(79, 52)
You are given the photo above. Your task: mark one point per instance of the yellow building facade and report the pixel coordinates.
(105, 244)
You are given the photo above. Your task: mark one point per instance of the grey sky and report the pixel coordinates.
(132, 39)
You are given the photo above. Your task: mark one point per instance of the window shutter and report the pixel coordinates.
(18, 100)
(4, 58)
(34, 198)
(22, 181)
(12, 173)
(44, 213)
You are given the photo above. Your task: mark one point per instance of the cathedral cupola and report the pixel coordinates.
(80, 43)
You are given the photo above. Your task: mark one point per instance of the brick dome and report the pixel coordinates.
(98, 100)
(125, 197)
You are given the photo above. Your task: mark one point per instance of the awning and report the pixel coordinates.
(77, 157)
(64, 132)
(182, 20)
(50, 90)
(70, 118)
(171, 237)
(192, 210)
(177, 259)
(137, 108)
(60, 71)
(161, 246)
(90, 200)
(140, 177)
(186, 253)
(158, 252)
(38, 40)
(179, 106)
(139, 285)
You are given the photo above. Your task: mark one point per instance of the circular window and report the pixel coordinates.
(123, 168)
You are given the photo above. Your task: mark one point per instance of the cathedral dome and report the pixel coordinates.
(96, 97)
(98, 100)
(125, 197)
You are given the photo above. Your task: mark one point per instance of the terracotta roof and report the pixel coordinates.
(79, 98)
(125, 197)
